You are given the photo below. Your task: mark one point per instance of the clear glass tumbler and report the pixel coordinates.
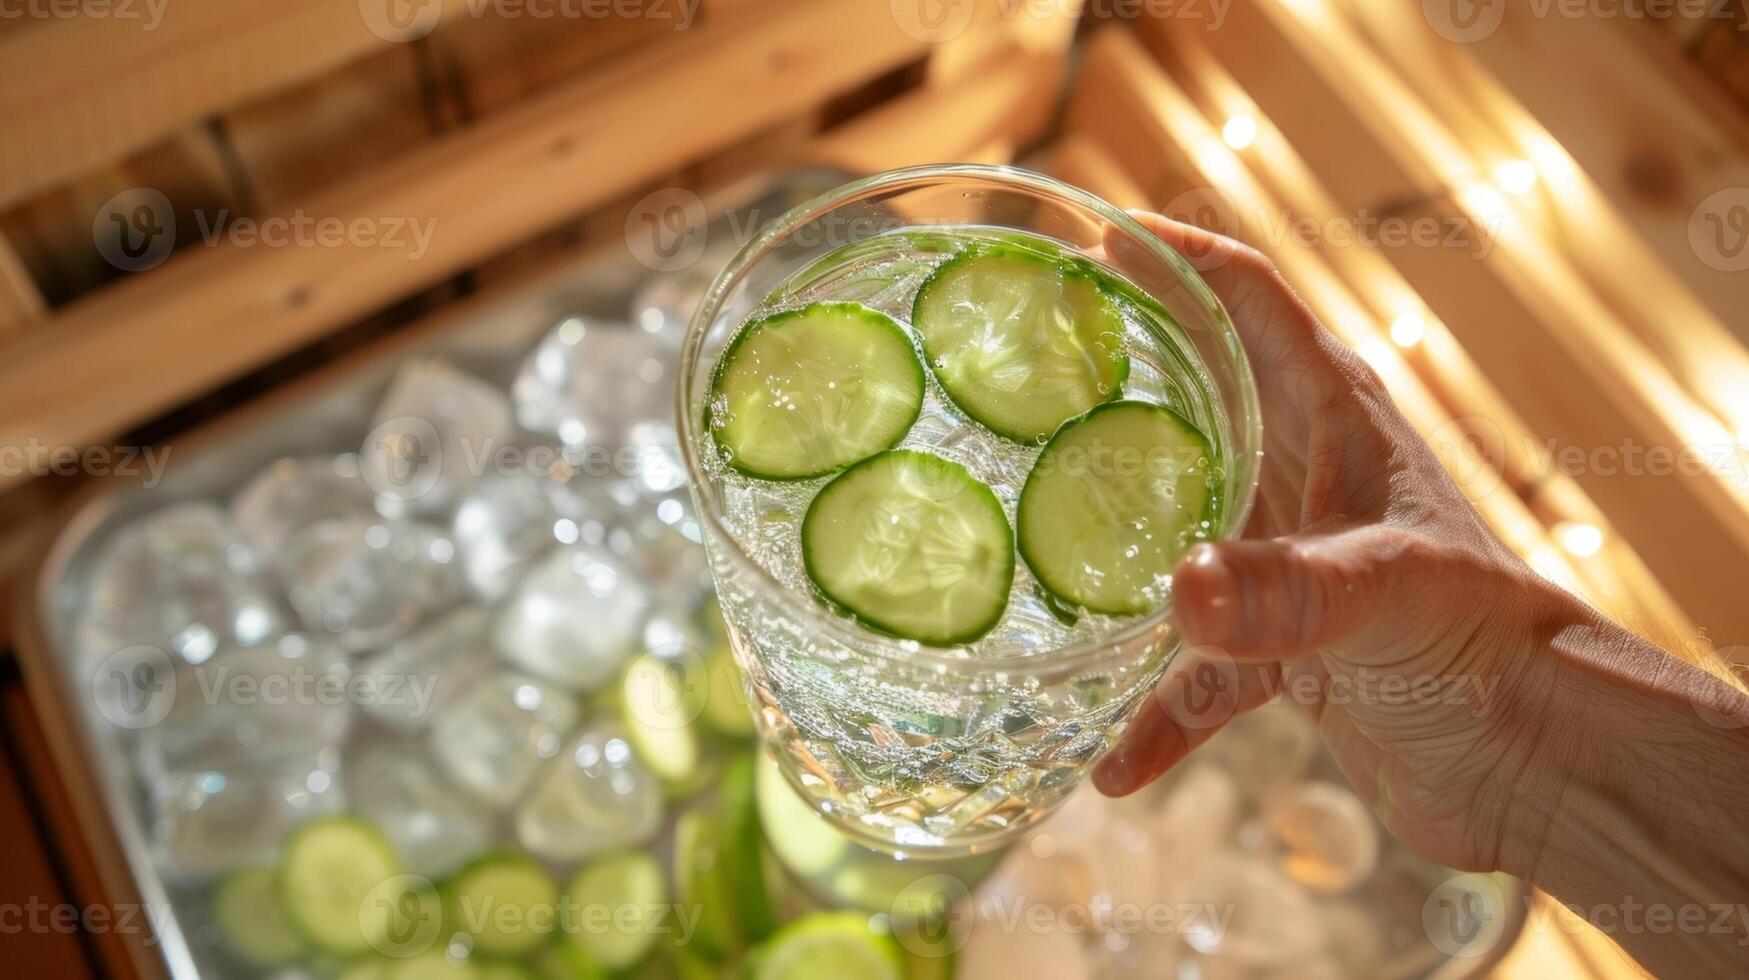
(939, 752)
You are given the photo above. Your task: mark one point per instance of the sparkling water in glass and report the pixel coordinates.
(942, 751)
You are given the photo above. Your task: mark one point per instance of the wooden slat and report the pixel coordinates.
(1081, 161)
(20, 301)
(76, 94)
(1519, 309)
(311, 135)
(138, 348)
(1618, 579)
(1006, 103)
(1649, 282)
(988, 32)
(493, 61)
(1123, 89)
(56, 233)
(1633, 127)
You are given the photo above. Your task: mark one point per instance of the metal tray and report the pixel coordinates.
(327, 413)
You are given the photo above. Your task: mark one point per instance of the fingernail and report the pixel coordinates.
(1208, 598)
(1116, 774)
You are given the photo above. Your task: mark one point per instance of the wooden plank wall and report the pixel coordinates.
(1578, 371)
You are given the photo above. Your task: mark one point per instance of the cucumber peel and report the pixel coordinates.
(829, 944)
(250, 917)
(629, 889)
(505, 900)
(332, 885)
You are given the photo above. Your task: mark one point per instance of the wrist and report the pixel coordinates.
(1545, 733)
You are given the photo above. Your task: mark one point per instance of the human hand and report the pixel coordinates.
(1366, 587)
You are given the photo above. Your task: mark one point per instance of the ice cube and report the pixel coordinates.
(183, 580)
(1129, 872)
(1249, 913)
(504, 524)
(574, 619)
(294, 493)
(206, 822)
(994, 951)
(607, 388)
(1354, 937)
(1197, 810)
(252, 705)
(593, 798)
(434, 826)
(494, 739)
(418, 678)
(367, 583)
(1042, 871)
(664, 305)
(436, 431)
(1327, 839)
(1264, 749)
(662, 539)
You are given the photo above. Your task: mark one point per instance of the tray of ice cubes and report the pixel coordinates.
(414, 670)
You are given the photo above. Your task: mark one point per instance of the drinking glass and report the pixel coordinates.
(922, 751)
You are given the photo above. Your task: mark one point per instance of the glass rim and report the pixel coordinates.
(1245, 419)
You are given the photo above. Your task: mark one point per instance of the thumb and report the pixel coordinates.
(1285, 596)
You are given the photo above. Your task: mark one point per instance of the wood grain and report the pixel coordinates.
(21, 302)
(77, 94)
(137, 348)
(1517, 306)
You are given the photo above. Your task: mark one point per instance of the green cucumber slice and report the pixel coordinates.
(1114, 500)
(661, 700)
(806, 392)
(335, 885)
(247, 910)
(567, 961)
(365, 969)
(829, 944)
(729, 708)
(698, 881)
(910, 544)
(1021, 342)
(431, 965)
(490, 969)
(620, 901)
(505, 900)
(800, 837)
(743, 871)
